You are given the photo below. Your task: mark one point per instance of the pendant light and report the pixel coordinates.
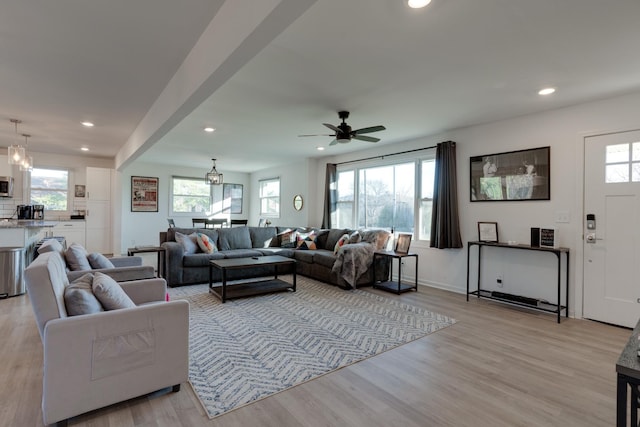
(213, 177)
(27, 162)
(16, 151)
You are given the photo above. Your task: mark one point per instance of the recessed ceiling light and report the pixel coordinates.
(84, 149)
(87, 124)
(546, 91)
(320, 148)
(417, 4)
(209, 129)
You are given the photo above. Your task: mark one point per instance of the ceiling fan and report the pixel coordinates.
(344, 134)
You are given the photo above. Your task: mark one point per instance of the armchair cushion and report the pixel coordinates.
(76, 257)
(109, 293)
(99, 261)
(51, 245)
(79, 298)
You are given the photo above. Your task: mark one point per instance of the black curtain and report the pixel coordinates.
(329, 195)
(445, 223)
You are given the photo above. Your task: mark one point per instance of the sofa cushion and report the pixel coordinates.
(304, 256)
(341, 242)
(51, 245)
(206, 244)
(201, 259)
(324, 258)
(241, 253)
(110, 293)
(79, 298)
(189, 242)
(261, 237)
(286, 252)
(334, 235)
(234, 238)
(321, 237)
(76, 257)
(97, 260)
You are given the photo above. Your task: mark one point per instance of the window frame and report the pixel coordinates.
(418, 202)
(172, 212)
(67, 190)
(261, 182)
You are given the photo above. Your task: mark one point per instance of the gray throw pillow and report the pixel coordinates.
(99, 261)
(51, 245)
(76, 257)
(79, 298)
(110, 293)
(189, 243)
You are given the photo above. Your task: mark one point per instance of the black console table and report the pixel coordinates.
(552, 308)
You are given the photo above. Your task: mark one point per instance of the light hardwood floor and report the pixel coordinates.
(497, 366)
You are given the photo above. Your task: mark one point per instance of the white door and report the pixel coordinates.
(612, 242)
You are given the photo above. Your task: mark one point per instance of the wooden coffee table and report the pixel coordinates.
(258, 287)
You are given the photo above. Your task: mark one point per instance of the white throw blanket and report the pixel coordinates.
(353, 261)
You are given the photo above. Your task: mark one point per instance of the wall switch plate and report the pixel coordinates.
(563, 217)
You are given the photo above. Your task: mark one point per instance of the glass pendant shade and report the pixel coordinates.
(16, 154)
(27, 164)
(213, 177)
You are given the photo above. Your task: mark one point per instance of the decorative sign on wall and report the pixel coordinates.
(144, 194)
(549, 238)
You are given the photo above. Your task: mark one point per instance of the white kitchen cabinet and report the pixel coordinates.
(98, 214)
(73, 231)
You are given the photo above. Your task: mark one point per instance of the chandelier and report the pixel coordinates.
(213, 177)
(16, 152)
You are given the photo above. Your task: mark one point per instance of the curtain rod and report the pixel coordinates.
(387, 155)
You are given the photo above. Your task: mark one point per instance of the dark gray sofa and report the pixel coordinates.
(241, 242)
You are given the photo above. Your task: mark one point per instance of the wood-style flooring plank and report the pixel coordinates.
(497, 366)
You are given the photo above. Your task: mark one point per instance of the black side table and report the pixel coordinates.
(396, 287)
(150, 249)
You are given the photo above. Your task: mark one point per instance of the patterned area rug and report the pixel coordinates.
(250, 348)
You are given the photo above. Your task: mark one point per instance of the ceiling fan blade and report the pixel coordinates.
(326, 134)
(369, 130)
(332, 127)
(334, 142)
(366, 138)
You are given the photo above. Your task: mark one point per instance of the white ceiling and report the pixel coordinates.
(453, 64)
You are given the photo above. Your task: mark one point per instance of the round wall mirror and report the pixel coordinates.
(297, 202)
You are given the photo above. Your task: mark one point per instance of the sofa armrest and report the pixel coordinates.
(173, 262)
(119, 274)
(144, 291)
(95, 360)
(126, 261)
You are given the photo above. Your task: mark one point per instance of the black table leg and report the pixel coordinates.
(621, 402)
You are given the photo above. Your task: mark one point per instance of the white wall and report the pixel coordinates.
(142, 228)
(295, 178)
(525, 273)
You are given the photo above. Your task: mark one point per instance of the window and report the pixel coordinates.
(270, 197)
(50, 187)
(396, 196)
(190, 195)
(623, 163)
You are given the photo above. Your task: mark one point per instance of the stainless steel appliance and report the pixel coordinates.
(38, 211)
(6, 186)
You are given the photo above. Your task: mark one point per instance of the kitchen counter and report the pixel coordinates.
(26, 223)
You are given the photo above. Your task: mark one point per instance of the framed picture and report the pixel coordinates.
(144, 194)
(80, 191)
(488, 232)
(549, 237)
(232, 198)
(403, 242)
(514, 175)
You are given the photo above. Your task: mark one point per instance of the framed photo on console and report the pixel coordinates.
(403, 243)
(488, 232)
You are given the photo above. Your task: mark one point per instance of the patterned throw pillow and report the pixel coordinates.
(306, 241)
(340, 243)
(205, 243)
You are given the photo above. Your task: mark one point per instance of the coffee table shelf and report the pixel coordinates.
(225, 291)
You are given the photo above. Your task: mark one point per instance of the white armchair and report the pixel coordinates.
(94, 360)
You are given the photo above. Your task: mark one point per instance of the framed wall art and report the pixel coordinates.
(232, 198)
(144, 194)
(80, 191)
(514, 175)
